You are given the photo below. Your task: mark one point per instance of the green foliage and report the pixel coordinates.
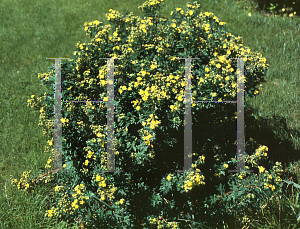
(149, 127)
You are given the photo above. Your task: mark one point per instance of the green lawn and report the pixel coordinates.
(32, 31)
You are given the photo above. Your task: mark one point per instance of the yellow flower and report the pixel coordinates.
(261, 169)
(169, 177)
(153, 66)
(50, 142)
(249, 14)
(202, 158)
(152, 220)
(122, 201)
(222, 59)
(123, 88)
(98, 178)
(102, 184)
(225, 166)
(50, 213)
(96, 22)
(273, 187)
(143, 73)
(240, 176)
(138, 107)
(57, 188)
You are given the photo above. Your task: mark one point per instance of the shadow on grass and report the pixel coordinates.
(264, 5)
(274, 133)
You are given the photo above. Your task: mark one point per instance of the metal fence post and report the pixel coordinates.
(57, 116)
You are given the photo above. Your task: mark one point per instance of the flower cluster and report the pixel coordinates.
(193, 179)
(162, 223)
(48, 165)
(260, 153)
(24, 181)
(68, 203)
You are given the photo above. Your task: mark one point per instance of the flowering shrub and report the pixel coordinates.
(149, 83)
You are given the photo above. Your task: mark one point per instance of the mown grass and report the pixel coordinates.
(32, 31)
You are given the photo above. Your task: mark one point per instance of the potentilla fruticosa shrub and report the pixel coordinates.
(149, 128)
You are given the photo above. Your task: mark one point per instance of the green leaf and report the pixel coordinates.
(292, 183)
(89, 213)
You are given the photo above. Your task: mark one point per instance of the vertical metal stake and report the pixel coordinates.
(188, 117)
(57, 116)
(240, 118)
(110, 117)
